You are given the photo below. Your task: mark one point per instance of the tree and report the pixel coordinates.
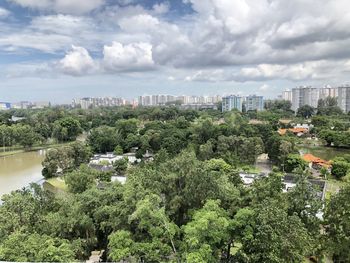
(285, 149)
(66, 129)
(80, 180)
(206, 151)
(120, 246)
(80, 153)
(104, 139)
(35, 248)
(118, 150)
(294, 162)
(340, 167)
(65, 159)
(328, 106)
(127, 127)
(27, 137)
(277, 236)
(207, 234)
(337, 225)
(121, 165)
(153, 231)
(306, 111)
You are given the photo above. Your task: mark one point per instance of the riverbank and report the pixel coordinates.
(17, 150)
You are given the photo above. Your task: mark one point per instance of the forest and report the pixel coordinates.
(187, 205)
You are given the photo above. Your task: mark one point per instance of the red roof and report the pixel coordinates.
(313, 159)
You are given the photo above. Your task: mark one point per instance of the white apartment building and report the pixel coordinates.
(328, 91)
(287, 95)
(344, 97)
(232, 102)
(304, 96)
(254, 102)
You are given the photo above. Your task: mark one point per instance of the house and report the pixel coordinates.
(290, 181)
(110, 158)
(315, 162)
(249, 178)
(296, 131)
(306, 126)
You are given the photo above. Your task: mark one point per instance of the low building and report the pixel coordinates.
(249, 178)
(199, 106)
(105, 158)
(296, 131)
(315, 162)
(291, 180)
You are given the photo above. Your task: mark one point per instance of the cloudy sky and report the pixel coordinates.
(60, 49)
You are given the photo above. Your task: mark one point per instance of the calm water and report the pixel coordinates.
(19, 170)
(326, 153)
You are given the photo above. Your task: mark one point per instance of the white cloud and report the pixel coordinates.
(246, 39)
(139, 23)
(161, 8)
(131, 57)
(207, 75)
(16, 42)
(77, 62)
(61, 6)
(264, 87)
(4, 13)
(311, 70)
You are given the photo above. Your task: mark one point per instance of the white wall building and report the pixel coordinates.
(344, 98)
(254, 102)
(304, 96)
(232, 102)
(287, 95)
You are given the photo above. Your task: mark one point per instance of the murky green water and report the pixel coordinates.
(19, 170)
(326, 153)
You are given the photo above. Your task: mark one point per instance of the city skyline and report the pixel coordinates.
(57, 49)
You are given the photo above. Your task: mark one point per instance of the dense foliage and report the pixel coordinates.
(188, 205)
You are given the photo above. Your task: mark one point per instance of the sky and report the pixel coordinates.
(56, 50)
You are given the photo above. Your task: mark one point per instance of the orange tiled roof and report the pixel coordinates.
(313, 159)
(293, 130)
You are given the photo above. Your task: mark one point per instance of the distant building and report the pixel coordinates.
(231, 102)
(5, 105)
(328, 91)
(87, 103)
(159, 100)
(254, 102)
(41, 104)
(287, 95)
(302, 96)
(199, 106)
(344, 98)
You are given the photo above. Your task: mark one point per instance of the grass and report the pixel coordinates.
(333, 186)
(57, 183)
(250, 169)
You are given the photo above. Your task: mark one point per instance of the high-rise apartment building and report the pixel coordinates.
(304, 96)
(344, 97)
(328, 91)
(231, 102)
(254, 102)
(156, 100)
(287, 95)
(87, 103)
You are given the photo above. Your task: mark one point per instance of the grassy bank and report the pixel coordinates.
(18, 149)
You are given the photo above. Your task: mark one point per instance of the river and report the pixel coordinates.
(19, 170)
